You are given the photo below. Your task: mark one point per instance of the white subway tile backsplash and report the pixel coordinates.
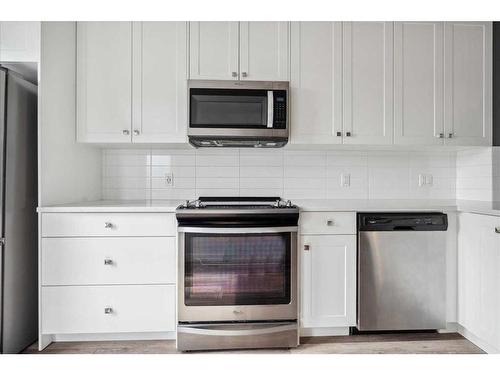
(140, 174)
(303, 171)
(261, 171)
(209, 192)
(184, 172)
(217, 183)
(217, 171)
(261, 183)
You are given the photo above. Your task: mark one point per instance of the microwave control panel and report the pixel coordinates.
(279, 118)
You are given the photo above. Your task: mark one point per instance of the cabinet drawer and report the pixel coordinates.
(327, 223)
(131, 260)
(108, 224)
(133, 308)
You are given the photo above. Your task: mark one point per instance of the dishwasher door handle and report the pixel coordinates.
(403, 227)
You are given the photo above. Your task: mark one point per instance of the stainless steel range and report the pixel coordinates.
(237, 274)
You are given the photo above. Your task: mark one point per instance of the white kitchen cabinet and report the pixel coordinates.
(468, 83)
(328, 274)
(19, 41)
(368, 82)
(104, 90)
(255, 51)
(159, 86)
(214, 50)
(108, 309)
(479, 278)
(108, 260)
(264, 51)
(418, 83)
(316, 83)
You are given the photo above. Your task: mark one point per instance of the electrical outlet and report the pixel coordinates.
(429, 179)
(169, 179)
(425, 179)
(421, 180)
(345, 180)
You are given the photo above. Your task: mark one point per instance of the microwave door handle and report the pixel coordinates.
(270, 109)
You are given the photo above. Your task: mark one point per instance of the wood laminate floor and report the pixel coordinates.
(408, 343)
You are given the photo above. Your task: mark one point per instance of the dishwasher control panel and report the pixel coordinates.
(401, 221)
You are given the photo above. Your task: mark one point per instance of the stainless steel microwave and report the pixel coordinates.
(238, 113)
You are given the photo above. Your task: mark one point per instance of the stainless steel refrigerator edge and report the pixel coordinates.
(18, 220)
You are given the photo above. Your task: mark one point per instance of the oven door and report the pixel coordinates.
(237, 274)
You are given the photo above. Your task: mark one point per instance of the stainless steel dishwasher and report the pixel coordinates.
(401, 271)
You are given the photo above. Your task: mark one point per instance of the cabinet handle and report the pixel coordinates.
(450, 135)
(307, 247)
(347, 134)
(244, 74)
(497, 230)
(108, 310)
(108, 225)
(339, 134)
(234, 74)
(136, 132)
(126, 132)
(330, 222)
(440, 135)
(108, 262)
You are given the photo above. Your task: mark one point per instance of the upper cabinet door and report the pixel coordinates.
(159, 82)
(368, 82)
(19, 41)
(468, 83)
(316, 82)
(104, 74)
(213, 50)
(419, 80)
(264, 51)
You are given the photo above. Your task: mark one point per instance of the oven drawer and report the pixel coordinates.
(237, 336)
(327, 223)
(111, 309)
(129, 260)
(107, 224)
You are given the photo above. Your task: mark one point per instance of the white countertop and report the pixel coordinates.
(116, 206)
(481, 207)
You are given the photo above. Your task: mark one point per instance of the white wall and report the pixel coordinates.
(478, 174)
(140, 174)
(68, 171)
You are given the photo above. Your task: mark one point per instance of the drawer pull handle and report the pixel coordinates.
(108, 225)
(307, 247)
(330, 222)
(108, 262)
(497, 230)
(108, 310)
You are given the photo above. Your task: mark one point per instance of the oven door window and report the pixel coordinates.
(237, 269)
(228, 108)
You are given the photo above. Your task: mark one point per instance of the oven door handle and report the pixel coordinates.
(237, 230)
(202, 330)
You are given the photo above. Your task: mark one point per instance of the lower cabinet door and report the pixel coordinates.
(328, 282)
(479, 276)
(108, 309)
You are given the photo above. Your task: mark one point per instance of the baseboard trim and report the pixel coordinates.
(328, 331)
(115, 336)
(451, 327)
(477, 341)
